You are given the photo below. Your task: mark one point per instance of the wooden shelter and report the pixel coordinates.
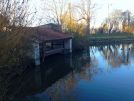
(49, 42)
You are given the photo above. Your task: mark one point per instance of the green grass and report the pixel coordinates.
(111, 36)
(80, 42)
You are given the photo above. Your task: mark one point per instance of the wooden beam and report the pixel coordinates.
(42, 55)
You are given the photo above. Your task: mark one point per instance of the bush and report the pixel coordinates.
(80, 42)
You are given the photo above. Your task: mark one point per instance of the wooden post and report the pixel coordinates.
(68, 45)
(42, 53)
(36, 53)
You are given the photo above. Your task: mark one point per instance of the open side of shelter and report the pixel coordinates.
(50, 42)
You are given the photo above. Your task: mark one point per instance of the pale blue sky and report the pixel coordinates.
(101, 11)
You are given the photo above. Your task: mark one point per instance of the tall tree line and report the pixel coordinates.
(119, 21)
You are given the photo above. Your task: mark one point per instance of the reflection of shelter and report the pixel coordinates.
(35, 80)
(51, 42)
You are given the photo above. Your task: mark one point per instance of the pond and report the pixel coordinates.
(99, 73)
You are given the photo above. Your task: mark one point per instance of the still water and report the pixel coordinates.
(100, 73)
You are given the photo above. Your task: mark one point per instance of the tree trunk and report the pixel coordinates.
(88, 27)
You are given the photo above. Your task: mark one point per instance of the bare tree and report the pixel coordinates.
(55, 10)
(114, 21)
(126, 19)
(86, 12)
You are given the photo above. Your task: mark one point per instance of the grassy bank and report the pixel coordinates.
(111, 36)
(80, 42)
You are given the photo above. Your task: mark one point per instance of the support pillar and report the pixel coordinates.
(36, 53)
(68, 45)
(42, 53)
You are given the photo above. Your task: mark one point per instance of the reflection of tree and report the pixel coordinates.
(64, 87)
(84, 64)
(132, 49)
(82, 70)
(125, 54)
(116, 55)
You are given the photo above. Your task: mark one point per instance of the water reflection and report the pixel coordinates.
(116, 55)
(61, 78)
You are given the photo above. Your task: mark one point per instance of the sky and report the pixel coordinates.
(101, 11)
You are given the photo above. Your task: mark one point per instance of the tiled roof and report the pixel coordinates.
(44, 34)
